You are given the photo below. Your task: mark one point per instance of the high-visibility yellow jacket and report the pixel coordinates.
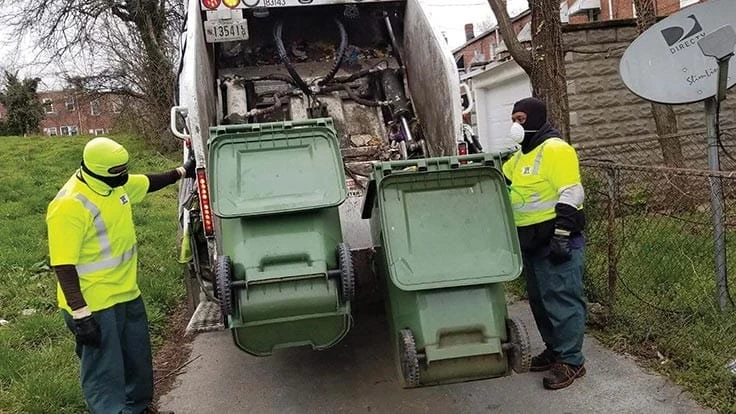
(95, 232)
(539, 178)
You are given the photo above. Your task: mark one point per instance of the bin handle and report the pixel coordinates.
(421, 164)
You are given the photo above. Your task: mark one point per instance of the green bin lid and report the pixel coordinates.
(274, 168)
(448, 228)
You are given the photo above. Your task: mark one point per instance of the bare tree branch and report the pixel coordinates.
(545, 63)
(132, 43)
(522, 56)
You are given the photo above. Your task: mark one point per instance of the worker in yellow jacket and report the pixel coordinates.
(547, 198)
(93, 250)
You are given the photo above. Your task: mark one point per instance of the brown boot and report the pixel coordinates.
(153, 410)
(562, 375)
(543, 361)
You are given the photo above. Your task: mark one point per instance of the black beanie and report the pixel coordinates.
(535, 110)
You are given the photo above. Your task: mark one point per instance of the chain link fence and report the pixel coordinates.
(653, 269)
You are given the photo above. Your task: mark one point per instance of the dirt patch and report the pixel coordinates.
(171, 359)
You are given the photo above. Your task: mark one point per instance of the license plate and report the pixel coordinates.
(225, 30)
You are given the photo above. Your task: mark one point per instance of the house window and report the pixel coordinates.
(685, 3)
(478, 57)
(50, 131)
(117, 105)
(69, 130)
(564, 10)
(95, 107)
(48, 106)
(71, 104)
(594, 15)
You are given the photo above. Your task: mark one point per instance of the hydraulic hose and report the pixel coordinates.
(281, 50)
(340, 54)
(362, 101)
(284, 56)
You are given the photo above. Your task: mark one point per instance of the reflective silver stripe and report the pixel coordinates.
(538, 160)
(99, 225)
(535, 206)
(572, 195)
(107, 263)
(60, 194)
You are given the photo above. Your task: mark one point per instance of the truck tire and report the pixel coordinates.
(223, 286)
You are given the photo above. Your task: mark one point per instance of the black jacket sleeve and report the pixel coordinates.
(160, 180)
(569, 218)
(69, 282)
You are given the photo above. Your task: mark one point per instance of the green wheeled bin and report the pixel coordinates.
(283, 275)
(446, 242)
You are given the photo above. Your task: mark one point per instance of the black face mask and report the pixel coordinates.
(116, 181)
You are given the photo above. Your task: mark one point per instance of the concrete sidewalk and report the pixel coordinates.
(358, 376)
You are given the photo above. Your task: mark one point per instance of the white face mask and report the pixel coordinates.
(517, 132)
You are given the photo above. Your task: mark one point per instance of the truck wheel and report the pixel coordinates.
(520, 357)
(408, 359)
(347, 272)
(223, 286)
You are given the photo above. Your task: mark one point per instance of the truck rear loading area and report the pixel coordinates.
(299, 114)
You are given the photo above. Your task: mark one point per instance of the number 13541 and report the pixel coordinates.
(225, 31)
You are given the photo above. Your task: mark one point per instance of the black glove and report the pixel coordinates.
(87, 331)
(559, 247)
(189, 167)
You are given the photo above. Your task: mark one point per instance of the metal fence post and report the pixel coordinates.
(716, 200)
(612, 174)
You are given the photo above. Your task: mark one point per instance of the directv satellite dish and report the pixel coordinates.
(665, 64)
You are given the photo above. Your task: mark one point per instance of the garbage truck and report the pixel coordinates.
(287, 106)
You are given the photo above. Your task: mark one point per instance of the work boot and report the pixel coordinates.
(543, 361)
(562, 375)
(153, 410)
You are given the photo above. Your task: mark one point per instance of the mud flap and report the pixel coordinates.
(206, 318)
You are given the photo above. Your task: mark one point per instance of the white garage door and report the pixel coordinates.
(495, 91)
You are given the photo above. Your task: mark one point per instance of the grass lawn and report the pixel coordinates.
(666, 311)
(38, 367)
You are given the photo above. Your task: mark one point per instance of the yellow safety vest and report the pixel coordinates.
(537, 179)
(96, 234)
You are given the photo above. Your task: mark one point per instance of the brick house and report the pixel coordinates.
(488, 46)
(69, 112)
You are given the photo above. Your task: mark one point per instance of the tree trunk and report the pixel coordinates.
(545, 63)
(150, 23)
(548, 75)
(664, 116)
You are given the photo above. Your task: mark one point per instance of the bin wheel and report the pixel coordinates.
(408, 358)
(347, 272)
(520, 357)
(223, 286)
